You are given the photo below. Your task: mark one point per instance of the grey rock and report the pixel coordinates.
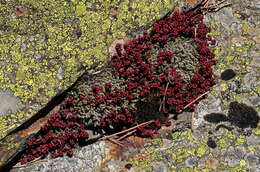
(226, 17)
(191, 162)
(18, 39)
(23, 46)
(159, 167)
(252, 158)
(255, 4)
(201, 162)
(85, 159)
(8, 102)
(236, 28)
(59, 74)
(185, 116)
(249, 80)
(231, 158)
(255, 100)
(239, 152)
(253, 140)
(215, 105)
(38, 56)
(62, 57)
(59, 77)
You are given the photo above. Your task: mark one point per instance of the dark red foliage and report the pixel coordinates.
(67, 125)
(132, 63)
(142, 78)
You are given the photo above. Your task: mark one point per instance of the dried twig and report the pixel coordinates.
(30, 163)
(127, 134)
(195, 100)
(165, 91)
(116, 142)
(127, 130)
(214, 7)
(185, 107)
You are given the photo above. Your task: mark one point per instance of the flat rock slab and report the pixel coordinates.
(45, 46)
(234, 29)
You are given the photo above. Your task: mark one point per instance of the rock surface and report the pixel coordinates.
(178, 148)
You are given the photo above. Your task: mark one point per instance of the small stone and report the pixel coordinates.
(38, 56)
(228, 74)
(212, 163)
(18, 39)
(60, 70)
(46, 13)
(59, 77)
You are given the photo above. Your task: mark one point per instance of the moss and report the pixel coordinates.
(241, 167)
(240, 140)
(243, 163)
(245, 26)
(237, 15)
(246, 45)
(214, 26)
(201, 151)
(258, 89)
(251, 148)
(222, 143)
(256, 131)
(176, 155)
(229, 59)
(223, 86)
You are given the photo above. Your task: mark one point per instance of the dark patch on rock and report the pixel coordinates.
(228, 74)
(128, 166)
(239, 114)
(223, 126)
(243, 116)
(211, 143)
(215, 117)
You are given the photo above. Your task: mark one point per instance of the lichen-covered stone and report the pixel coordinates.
(231, 51)
(39, 39)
